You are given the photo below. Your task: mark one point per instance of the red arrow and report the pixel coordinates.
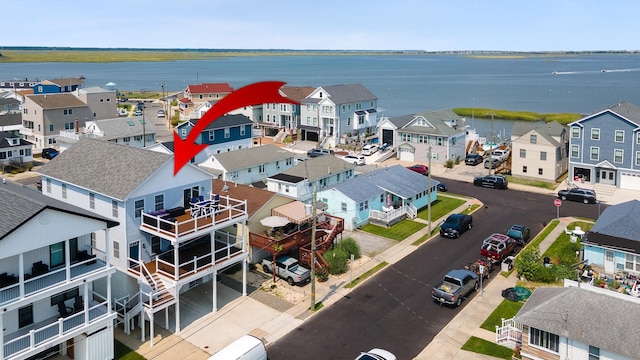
(254, 94)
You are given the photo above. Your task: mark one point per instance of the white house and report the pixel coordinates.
(131, 131)
(539, 150)
(14, 150)
(55, 288)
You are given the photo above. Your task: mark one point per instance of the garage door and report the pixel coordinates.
(406, 155)
(629, 181)
(387, 136)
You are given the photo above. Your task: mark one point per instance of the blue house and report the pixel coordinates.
(384, 196)
(613, 242)
(604, 148)
(226, 133)
(56, 86)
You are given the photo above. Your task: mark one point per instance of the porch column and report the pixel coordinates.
(141, 309)
(166, 317)
(2, 334)
(109, 309)
(244, 277)
(86, 302)
(67, 260)
(215, 291)
(151, 326)
(107, 246)
(21, 282)
(177, 305)
(176, 258)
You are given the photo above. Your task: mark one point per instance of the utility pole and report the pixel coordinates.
(491, 145)
(429, 190)
(313, 246)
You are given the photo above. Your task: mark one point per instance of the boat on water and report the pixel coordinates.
(488, 146)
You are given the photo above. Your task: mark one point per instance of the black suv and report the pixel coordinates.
(49, 153)
(455, 225)
(492, 181)
(578, 194)
(473, 159)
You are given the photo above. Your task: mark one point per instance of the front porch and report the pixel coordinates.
(392, 215)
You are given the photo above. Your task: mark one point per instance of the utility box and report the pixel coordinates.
(507, 264)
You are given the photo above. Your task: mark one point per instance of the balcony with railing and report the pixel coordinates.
(39, 277)
(180, 224)
(42, 335)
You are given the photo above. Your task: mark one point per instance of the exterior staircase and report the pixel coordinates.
(386, 156)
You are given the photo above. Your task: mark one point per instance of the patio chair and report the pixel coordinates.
(200, 198)
(64, 310)
(568, 231)
(78, 305)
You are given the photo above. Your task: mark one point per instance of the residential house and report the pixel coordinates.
(226, 133)
(55, 287)
(441, 133)
(166, 222)
(566, 323)
(336, 113)
(11, 123)
(130, 131)
(57, 86)
(319, 173)
(19, 84)
(249, 165)
(197, 94)
(604, 147)
(383, 196)
(102, 102)
(281, 117)
(539, 150)
(613, 243)
(9, 104)
(14, 150)
(43, 116)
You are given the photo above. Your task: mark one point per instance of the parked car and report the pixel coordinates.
(500, 154)
(492, 163)
(497, 247)
(138, 112)
(369, 149)
(354, 159)
(287, 268)
(442, 187)
(384, 147)
(455, 225)
(455, 286)
(420, 169)
(492, 181)
(473, 159)
(520, 234)
(376, 354)
(49, 153)
(319, 152)
(587, 196)
(161, 113)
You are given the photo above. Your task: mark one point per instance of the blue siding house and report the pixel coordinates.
(383, 196)
(613, 243)
(56, 86)
(604, 148)
(226, 133)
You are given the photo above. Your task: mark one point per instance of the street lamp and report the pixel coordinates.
(143, 123)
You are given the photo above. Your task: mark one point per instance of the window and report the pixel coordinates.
(183, 132)
(595, 153)
(637, 157)
(116, 250)
(126, 139)
(619, 136)
(343, 206)
(360, 119)
(617, 155)
(211, 136)
(138, 207)
(364, 205)
(56, 254)
(543, 155)
(540, 171)
(93, 240)
(575, 151)
(523, 153)
(114, 208)
(51, 128)
(48, 181)
(405, 137)
(524, 169)
(533, 139)
(594, 353)
(543, 339)
(242, 130)
(637, 136)
(348, 121)
(423, 139)
(608, 255)
(261, 169)
(159, 202)
(25, 316)
(595, 134)
(64, 191)
(440, 141)
(575, 132)
(92, 200)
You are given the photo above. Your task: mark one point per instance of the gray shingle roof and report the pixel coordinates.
(591, 318)
(229, 120)
(319, 167)
(19, 204)
(348, 93)
(118, 128)
(57, 101)
(248, 157)
(628, 111)
(621, 220)
(4, 143)
(438, 119)
(104, 167)
(395, 179)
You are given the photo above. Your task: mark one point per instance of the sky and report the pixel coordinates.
(430, 25)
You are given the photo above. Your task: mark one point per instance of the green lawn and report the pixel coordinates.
(529, 182)
(506, 310)
(398, 232)
(482, 346)
(563, 250)
(441, 207)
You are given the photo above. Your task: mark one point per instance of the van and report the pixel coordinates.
(369, 149)
(245, 348)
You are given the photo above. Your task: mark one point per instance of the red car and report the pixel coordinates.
(420, 169)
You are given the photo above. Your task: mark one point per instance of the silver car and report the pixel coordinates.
(354, 159)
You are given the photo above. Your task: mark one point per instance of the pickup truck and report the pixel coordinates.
(287, 268)
(497, 247)
(455, 286)
(501, 155)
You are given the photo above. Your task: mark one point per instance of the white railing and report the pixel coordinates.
(510, 330)
(411, 211)
(45, 336)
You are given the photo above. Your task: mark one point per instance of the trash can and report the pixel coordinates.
(507, 264)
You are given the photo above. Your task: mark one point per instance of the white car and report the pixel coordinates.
(354, 159)
(369, 149)
(501, 155)
(376, 354)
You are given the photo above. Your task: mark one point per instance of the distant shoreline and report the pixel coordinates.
(105, 55)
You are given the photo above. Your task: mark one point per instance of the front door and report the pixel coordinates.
(608, 177)
(609, 265)
(134, 248)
